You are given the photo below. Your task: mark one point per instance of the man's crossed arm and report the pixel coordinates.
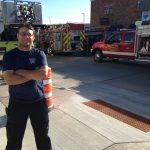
(21, 76)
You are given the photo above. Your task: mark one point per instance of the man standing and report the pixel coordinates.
(24, 69)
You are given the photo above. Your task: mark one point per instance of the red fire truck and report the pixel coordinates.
(61, 38)
(130, 44)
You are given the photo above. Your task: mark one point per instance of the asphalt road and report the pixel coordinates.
(124, 84)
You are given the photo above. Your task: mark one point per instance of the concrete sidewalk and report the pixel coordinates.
(74, 126)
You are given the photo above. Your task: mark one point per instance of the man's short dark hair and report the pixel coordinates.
(26, 25)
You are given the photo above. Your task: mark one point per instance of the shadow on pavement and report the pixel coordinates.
(3, 120)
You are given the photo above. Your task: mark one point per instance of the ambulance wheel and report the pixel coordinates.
(98, 56)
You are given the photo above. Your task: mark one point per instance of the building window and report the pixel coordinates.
(143, 4)
(107, 9)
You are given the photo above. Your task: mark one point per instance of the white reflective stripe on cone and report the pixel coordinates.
(51, 106)
(49, 94)
(48, 81)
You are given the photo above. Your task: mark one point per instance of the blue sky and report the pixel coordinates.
(62, 11)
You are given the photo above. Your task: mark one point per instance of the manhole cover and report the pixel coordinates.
(120, 114)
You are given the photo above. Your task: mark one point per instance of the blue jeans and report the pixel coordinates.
(17, 116)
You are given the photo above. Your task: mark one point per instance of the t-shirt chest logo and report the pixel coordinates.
(32, 60)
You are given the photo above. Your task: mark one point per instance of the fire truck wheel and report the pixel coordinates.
(49, 51)
(98, 56)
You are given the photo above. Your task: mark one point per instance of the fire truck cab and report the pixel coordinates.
(130, 44)
(118, 45)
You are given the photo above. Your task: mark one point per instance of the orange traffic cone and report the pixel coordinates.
(48, 89)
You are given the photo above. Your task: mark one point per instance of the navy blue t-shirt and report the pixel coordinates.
(15, 59)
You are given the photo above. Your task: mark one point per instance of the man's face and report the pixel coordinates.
(25, 37)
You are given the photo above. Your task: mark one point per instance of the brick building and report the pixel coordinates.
(124, 13)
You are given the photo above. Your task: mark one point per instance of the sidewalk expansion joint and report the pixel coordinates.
(85, 124)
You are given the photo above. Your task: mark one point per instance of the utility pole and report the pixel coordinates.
(83, 17)
(49, 20)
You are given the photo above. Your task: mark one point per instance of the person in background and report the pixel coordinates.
(24, 69)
